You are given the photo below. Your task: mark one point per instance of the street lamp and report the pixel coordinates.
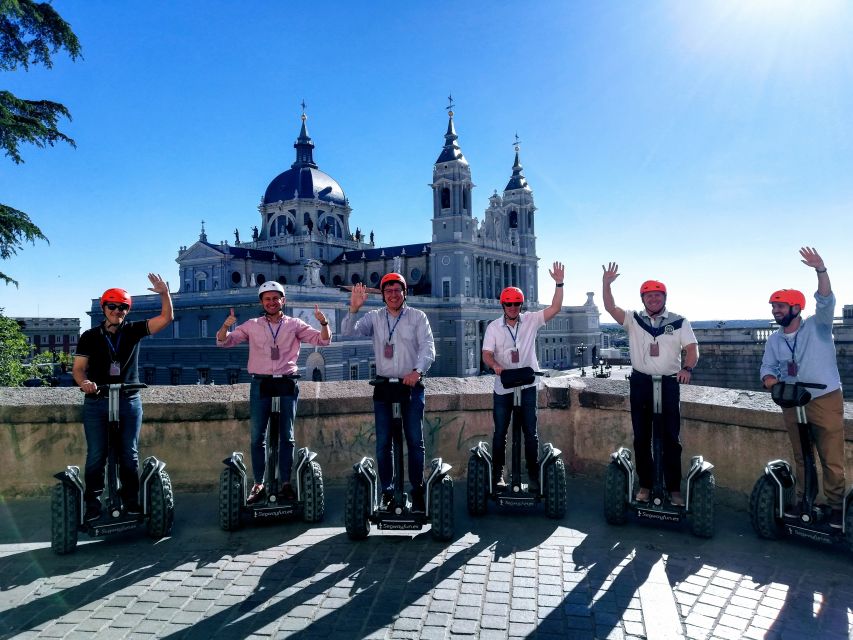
(581, 350)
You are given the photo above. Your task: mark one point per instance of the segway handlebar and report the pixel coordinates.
(793, 394)
(124, 386)
(511, 378)
(378, 381)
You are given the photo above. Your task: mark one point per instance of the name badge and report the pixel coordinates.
(115, 369)
(274, 352)
(389, 350)
(654, 349)
(792, 368)
(513, 355)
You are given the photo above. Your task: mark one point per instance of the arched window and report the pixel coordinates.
(355, 279)
(337, 280)
(374, 278)
(445, 198)
(466, 200)
(260, 278)
(236, 278)
(513, 219)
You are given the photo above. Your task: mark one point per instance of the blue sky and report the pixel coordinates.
(697, 143)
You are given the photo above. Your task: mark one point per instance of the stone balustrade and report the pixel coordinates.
(193, 428)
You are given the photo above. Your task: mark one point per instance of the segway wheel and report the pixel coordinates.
(64, 518)
(314, 505)
(703, 506)
(230, 499)
(441, 509)
(162, 504)
(615, 492)
(477, 486)
(357, 508)
(762, 509)
(555, 489)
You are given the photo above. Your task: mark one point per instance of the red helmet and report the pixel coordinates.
(119, 296)
(790, 297)
(512, 294)
(652, 285)
(388, 278)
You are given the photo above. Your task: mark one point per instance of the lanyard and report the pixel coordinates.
(794, 347)
(392, 330)
(511, 335)
(269, 326)
(113, 349)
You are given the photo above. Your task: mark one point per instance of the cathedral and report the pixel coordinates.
(304, 240)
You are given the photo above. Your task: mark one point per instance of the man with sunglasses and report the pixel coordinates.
(405, 349)
(510, 343)
(656, 337)
(108, 354)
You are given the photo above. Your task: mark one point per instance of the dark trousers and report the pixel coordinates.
(641, 419)
(501, 413)
(412, 410)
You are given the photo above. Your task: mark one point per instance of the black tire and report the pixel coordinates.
(477, 486)
(357, 508)
(441, 509)
(64, 518)
(615, 495)
(762, 509)
(230, 499)
(555, 489)
(162, 506)
(703, 506)
(313, 497)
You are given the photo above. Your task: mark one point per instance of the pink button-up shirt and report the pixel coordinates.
(289, 333)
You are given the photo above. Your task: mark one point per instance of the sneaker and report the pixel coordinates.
(418, 503)
(643, 495)
(287, 494)
(257, 494)
(93, 512)
(675, 499)
(133, 509)
(835, 519)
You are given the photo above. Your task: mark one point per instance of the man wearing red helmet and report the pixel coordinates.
(269, 356)
(510, 343)
(656, 338)
(405, 349)
(803, 350)
(109, 354)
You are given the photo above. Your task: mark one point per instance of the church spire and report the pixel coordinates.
(517, 181)
(304, 146)
(451, 151)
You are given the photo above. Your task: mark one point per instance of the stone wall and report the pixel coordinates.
(193, 428)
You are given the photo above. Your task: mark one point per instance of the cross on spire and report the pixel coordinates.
(450, 105)
(517, 142)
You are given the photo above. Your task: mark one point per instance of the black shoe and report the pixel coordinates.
(133, 509)
(257, 494)
(835, 519)
(287, 494)
(93, 512)
(418, 503)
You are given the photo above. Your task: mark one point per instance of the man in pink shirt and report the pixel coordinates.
(274, 341)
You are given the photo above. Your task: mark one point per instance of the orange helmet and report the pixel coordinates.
(119, 296)
(512, 294)
(388, 278)
(790, 297)
(652, 285)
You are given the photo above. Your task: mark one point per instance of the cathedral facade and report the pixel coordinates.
(304, 239)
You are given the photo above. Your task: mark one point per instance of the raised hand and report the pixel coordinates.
(811, 258)
(230, 320)
(558, 272)
(319, 315)
(611, 272)
(358, 297)
(158, 285)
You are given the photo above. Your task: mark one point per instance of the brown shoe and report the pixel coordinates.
(256, 494)
(675, 499)
(643, 495)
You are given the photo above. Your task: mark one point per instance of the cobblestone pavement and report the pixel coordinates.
(505, 575)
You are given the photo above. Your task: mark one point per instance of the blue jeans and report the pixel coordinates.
(501, 413)
(412, 410)
(260, 409)
(95, 425)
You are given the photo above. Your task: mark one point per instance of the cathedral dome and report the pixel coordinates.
(305, 182)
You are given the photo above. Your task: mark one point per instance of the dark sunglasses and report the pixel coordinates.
(512, 304)
(112, 306)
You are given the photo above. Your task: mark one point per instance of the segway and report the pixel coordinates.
(775, 489)
(619, 484)
(364, 504)
(234, 480)
(67, 506)
(552, 470)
